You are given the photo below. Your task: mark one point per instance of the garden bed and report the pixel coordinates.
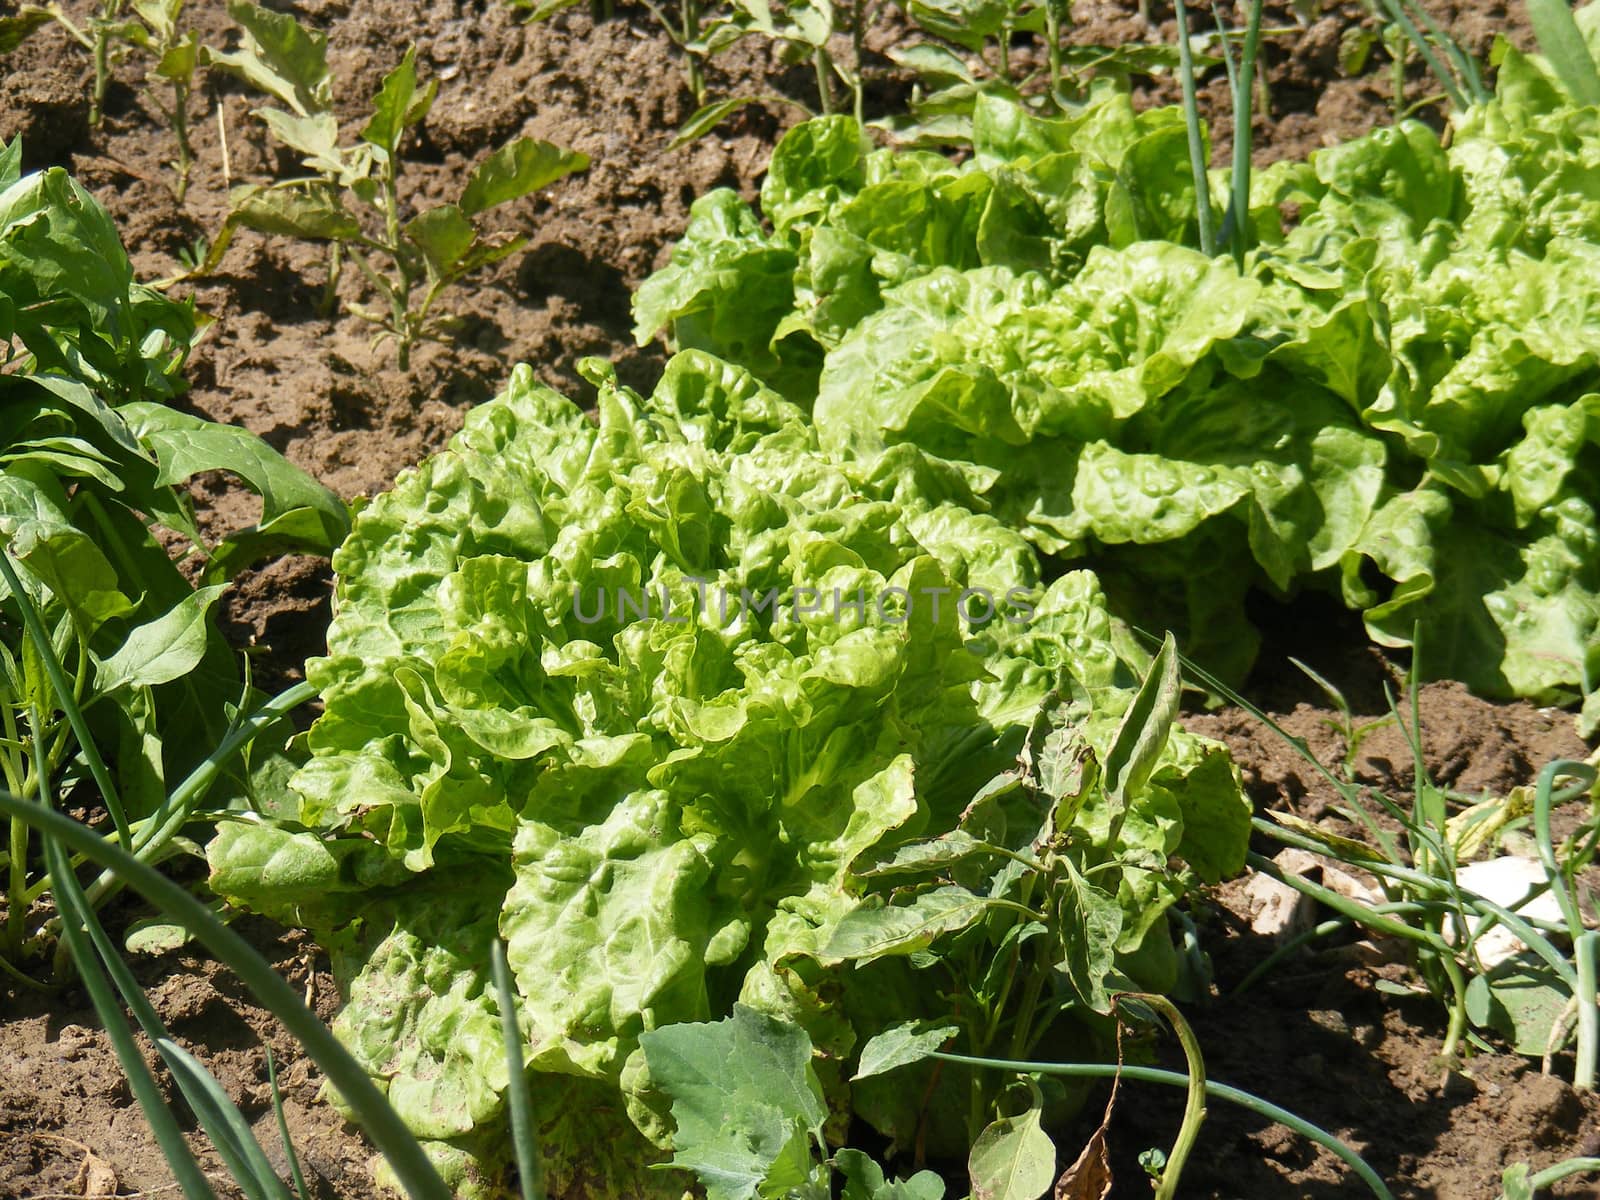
(1318, 1036)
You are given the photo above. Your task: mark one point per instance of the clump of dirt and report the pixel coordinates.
(1471, 746)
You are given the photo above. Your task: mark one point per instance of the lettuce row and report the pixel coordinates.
(659, 811)
(1397, 400)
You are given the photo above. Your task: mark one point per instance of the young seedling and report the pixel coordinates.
(352, 197)
(150, 26)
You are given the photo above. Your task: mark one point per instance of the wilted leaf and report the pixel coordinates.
(15, 30)
(307, 212)
(917, 857)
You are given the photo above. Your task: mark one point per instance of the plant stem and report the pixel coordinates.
(1239, 209)
(175, 811)
(180, 130)
(400, 295)
(102, 76)
(330, 291)
(1197, 145)
(64, 698)
(858, 31)
(530, 1172)
(1052, 33)
(691, 34)
(1219, 1091)
(819, 60)
(1194, 1108)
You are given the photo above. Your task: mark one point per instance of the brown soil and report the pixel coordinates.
(1316, 1037)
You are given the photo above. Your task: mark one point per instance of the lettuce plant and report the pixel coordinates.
(1393, 399)
(407, 262)
(641, 696)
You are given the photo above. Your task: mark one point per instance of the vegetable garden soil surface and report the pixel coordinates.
(1317, 1037)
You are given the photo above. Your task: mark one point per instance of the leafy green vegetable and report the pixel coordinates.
(651, 696)
(1394, 399)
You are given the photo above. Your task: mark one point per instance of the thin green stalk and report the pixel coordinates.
(1052, 32)
(1584, 950)
(1562, 1170)
(819, 61)
(1031, 990)
(858, 30)
(690, 13)
(289, 1154)
(1218, 1091)
(400, 295)
(330, 290)
(180, 130)
(1447, 81)
(1239, 209)
(102, 76)
(1306, 937)
(1197, 144)
(141, 1083)
(1465, 66)
(1561, 41)
(530, 1170)
(1194, 1108)
(1584, 942)
(390, 1135)
(229, 1134)
(64, 697)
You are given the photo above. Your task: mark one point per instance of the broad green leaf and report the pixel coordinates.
(186, 445)
(864, 1180)
(1522, 999)
(1013, 1158)
(398, 106)
(164, 649)
(1092, 925)
(517, 169)
(745, 1101)
(900, 1046)
(179, 61)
